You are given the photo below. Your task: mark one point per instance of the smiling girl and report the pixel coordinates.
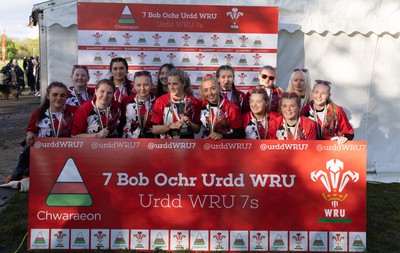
(332, 122)
(290, 125)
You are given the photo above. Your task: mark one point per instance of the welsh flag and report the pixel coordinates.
(3, 47)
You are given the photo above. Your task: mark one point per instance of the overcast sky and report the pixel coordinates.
(14, 17)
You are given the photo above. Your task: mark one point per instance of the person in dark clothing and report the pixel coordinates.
(30, 76)
(13, 75)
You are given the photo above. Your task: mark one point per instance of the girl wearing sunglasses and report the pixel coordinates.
(267, 76)
(291, 125)
(299, 83)
(332, 122)
(137, 108)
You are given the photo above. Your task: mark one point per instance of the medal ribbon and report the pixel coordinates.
(320, 130)
(288, 132)
(55, 123)
(261, 127)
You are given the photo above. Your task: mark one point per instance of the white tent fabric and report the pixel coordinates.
(351, 43)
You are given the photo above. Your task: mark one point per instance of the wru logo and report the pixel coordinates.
(335, 180)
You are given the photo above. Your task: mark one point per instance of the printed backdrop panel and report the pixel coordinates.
(197, 38)
(227, 194)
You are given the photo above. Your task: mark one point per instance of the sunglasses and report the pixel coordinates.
(327, 83)
(142, 73)
(271, 78)
(302, 70)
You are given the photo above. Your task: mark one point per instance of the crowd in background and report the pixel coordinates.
(16, 78)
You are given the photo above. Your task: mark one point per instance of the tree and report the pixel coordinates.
(11, 50)
(27, 47)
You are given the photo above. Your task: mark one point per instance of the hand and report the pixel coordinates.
(30, 139)
(103, 133)
(176, 125)
(187, 120)
(342, 140)
(215, 136)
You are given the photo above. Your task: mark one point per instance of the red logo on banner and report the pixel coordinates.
(69, 188)
(126, 16)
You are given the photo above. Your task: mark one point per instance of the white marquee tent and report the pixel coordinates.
(352, 43)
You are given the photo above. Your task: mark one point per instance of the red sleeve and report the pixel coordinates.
(272, 128)
(343, 123)
(79, 124)
(197, 105)
(235, 117)
(310, 128)
(158, 111)
(32, 122)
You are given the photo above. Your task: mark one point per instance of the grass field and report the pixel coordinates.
(383, 221)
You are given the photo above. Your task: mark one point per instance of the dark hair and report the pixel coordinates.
(85, 68)
(290, 95)
(183, 78)
(264, 95)
(105, 81)
(235, 94)
(46, 102)
(126, 82)
(159, 88)
(143, 73)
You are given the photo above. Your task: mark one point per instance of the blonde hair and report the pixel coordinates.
(307, 86)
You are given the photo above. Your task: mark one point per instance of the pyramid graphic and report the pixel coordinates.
(120, 239)
(200, 41)
(239, 240)
(156, 58)
(255, 79)
(199, 240)
(171, 40)
(229, 41)
(112, 39)
(214, 59)
(358, 242)
(243, 60)
(97, 58)
(69, 188)
(128, 58)
(199, 78)
(126, 16)
(80, 239)
(185, 59)
(142, 39)
(39, 239)
(278, 242)
(257, 42)
(318, 242)
(159, 240)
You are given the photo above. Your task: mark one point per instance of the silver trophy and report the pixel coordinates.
(181, 110)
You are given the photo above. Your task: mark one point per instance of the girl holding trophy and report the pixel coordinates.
(177, 114)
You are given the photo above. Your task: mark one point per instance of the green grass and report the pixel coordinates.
(383, 221)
